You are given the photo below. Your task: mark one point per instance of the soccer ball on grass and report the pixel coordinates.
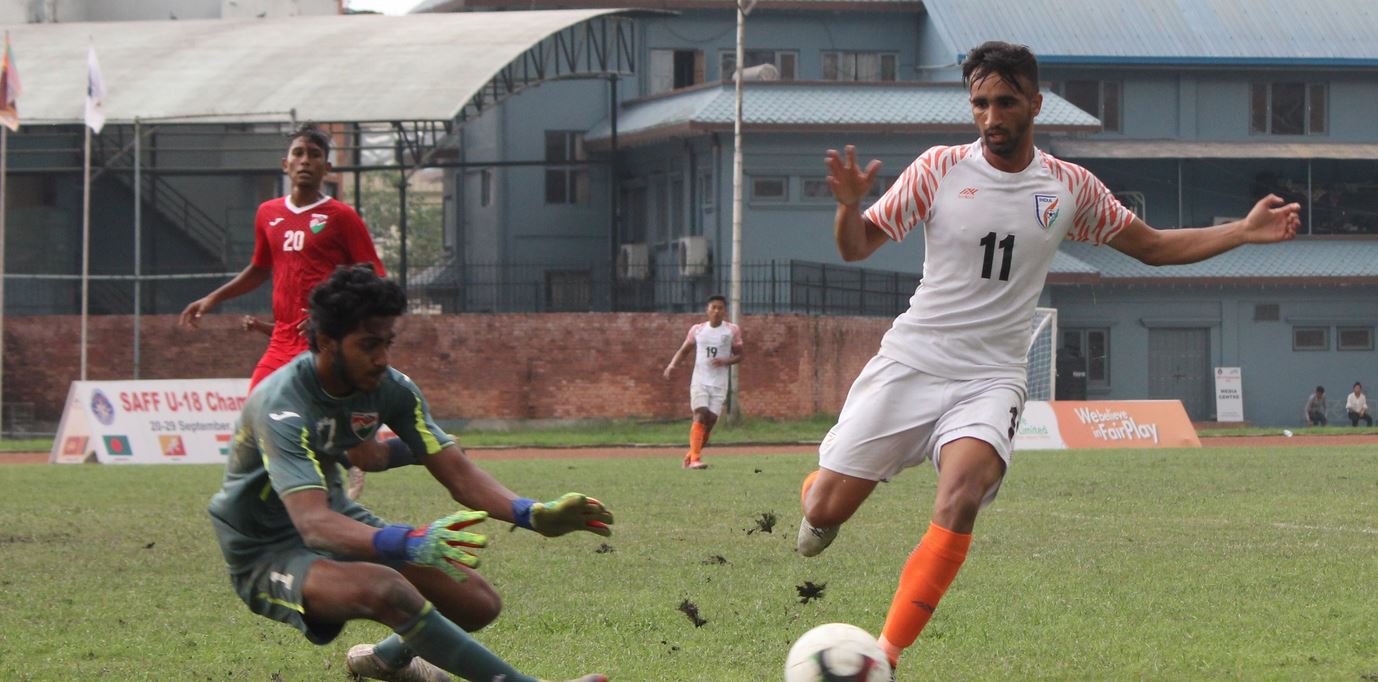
(836, 652)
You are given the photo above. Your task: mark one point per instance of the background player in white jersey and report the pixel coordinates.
(948, 383)
(719, 346)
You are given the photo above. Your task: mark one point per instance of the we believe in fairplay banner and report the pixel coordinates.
(1069, 424)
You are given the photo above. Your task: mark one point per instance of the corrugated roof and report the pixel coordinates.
(1168, 31)
(802, 106)
(1303, 259)
(327, 68)
(1192, 149)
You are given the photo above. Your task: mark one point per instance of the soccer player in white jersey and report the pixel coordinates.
(948, 383)
(718, 345)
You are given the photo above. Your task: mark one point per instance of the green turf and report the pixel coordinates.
(676, 432)
(26, 444)
(1162, 565)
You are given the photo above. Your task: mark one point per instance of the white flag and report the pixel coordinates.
(95, 93)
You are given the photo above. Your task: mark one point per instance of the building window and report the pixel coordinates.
(706, 193)
(1091, 347)
(674, 69)
(769, 188)
(1354, 338)
(815, 189)
(485, 187)
(785, 60)
(1287, 109)
(860, 66)
(568, 184)
(1098, 98)
(1310, 338)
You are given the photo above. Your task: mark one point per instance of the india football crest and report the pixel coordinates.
(1046, 210)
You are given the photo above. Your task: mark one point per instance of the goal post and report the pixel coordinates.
(1042, 357)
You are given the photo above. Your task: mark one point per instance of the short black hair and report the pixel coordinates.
(1359, 384)
(353, 293)
(1320, 389)
(313, 134)
(1008, 61)
(717, 297)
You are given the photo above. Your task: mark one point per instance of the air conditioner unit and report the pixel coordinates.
(633, 262)
(695, 260)
(761, 72)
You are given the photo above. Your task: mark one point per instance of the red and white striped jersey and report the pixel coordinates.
(989, 240)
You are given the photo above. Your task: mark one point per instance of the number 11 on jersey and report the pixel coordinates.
(1007, 251)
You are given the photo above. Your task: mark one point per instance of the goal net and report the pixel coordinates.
(1042, 359)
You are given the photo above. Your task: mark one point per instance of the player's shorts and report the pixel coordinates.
(705, 396)
(896, 417)
(271, 585)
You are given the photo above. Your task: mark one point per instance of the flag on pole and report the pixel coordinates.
(9, 89)
(95, 93)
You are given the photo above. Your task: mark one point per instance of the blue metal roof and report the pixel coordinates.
(1223, 32)
(784, 105)
(1341, 258)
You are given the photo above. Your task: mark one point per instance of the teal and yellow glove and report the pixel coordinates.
(571, 512)
(442, 544)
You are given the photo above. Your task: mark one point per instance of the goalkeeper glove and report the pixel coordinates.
(571, 512)
(439, 545)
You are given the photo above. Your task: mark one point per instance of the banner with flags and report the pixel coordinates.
(9, 89)
(95, 93)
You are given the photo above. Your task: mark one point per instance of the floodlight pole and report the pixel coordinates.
(734, 307)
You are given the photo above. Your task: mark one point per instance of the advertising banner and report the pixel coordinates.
(1229, 394)
(170, 421)
(1068, 424)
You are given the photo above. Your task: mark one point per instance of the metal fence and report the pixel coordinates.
(767, 287)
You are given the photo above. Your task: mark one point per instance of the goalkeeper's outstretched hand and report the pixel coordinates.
(571, 512)
(445, 543)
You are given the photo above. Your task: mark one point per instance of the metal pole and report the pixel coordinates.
(613, 190)
(85, 243)
(1309, 212)
(735, 304)
(4, 169)
(138, 232)
(402, 225)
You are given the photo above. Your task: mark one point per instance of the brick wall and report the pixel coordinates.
(511, 366)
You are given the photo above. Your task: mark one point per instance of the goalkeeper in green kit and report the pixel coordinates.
(301, 552)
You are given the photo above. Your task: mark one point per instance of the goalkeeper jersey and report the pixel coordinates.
(989, 240)
(288, 438)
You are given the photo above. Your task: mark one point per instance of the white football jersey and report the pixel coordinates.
(722, 341)
(989, 240)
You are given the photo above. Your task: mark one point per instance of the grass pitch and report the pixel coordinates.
(1165, 565)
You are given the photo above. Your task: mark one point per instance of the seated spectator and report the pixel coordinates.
(1356, 404)
(1315, 408)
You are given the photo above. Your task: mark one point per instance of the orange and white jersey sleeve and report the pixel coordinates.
(909, 201)
(1098, 215)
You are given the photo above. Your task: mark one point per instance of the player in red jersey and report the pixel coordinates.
(299, 239)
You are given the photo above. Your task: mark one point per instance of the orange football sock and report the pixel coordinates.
(926, 576)
(808, 483)
(697, 437)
